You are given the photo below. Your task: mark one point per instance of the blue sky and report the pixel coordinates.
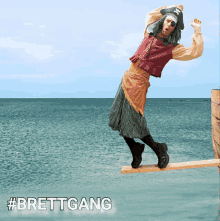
(80, 49)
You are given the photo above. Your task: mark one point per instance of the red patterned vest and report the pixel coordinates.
(153, 55)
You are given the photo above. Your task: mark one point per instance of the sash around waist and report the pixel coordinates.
(135, 83)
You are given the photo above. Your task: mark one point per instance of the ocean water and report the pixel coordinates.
(65, 148)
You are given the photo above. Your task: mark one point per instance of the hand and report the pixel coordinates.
(196, 23)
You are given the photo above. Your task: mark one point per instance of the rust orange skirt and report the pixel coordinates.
(135, 83)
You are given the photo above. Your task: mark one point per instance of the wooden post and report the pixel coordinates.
(215, 105)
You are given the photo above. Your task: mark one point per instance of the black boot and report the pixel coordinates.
(136, 149)
(160, 149)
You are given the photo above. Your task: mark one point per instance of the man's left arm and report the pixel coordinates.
(189, 53)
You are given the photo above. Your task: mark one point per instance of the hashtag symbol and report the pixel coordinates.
(12, 203)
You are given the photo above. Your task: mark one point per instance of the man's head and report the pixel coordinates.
(169, 25)
(175, 13)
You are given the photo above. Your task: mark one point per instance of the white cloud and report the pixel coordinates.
(183, 67)
(41, 52)
(182, 64)
(111, 42)
(42, 26)
(42, 34)
(28, 23)
(127, 42)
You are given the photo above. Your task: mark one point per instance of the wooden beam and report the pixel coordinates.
(171, 166)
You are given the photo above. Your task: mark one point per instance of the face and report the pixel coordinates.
(167, 28)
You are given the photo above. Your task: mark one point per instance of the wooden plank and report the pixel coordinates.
(171, 166)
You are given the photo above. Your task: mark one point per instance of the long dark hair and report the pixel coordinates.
(174, 36)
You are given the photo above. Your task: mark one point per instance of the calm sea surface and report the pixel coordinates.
(65, 148)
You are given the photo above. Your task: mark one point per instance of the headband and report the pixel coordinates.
(174, 16)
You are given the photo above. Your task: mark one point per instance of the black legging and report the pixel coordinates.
(130, 141)
(147, 140)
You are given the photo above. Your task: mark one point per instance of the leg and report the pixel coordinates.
(136, 150)
(160, 149)
(130, 141)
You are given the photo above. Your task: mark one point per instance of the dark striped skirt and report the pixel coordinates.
(125, 119)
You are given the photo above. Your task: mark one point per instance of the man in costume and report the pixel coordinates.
(162, 31)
